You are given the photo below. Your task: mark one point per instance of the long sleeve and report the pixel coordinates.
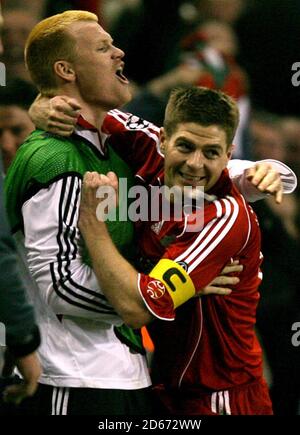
(251, 194)
(55, 253)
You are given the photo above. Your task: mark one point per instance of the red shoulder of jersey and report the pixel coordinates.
(136, 141)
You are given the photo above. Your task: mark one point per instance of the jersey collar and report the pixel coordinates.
(91, 134)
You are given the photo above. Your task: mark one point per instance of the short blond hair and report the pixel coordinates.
(48, 42)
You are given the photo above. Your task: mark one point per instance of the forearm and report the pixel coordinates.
(117, 278)
(56, 114)
(39, 111)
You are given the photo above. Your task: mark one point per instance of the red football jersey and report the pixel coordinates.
(210, 342)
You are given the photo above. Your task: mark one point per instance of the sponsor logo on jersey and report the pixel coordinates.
(136, 123)
(157, 227)
(156, 289)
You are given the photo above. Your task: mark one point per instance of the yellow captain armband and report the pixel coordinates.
(176, 280)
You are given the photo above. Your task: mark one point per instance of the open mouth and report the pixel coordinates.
(120, 75)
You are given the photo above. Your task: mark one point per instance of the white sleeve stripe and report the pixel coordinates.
(148, 306)
(227, 403)
(219, 208)
(219, 223)
(64, 409)
(141, 178)
(213, 404)
(54, 400)
(212, 228)
(203, 233)
(227, 227)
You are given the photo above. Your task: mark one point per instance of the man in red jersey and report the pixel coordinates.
(207, 358)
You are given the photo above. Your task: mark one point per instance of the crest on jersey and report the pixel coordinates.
(155, 289)
(136, 123)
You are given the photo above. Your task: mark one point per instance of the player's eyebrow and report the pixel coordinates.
(105, 40)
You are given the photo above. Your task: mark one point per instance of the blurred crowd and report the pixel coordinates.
(243, 47)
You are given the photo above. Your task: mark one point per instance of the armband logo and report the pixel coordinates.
(156, 289)
(136, 123)
(169, 274)
(177, 281)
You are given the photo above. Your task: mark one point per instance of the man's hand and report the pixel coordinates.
(58, 115)
(219, 286)
(99, 194)
(266, 179)
(30, 369)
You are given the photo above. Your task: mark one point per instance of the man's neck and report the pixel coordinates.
(93, 114)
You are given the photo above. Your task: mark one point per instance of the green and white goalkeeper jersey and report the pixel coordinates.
(79, 347)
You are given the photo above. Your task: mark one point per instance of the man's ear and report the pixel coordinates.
(64, 70)
(230, 151)
(162, 136)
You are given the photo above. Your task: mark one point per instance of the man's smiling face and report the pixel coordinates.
(195, 155)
